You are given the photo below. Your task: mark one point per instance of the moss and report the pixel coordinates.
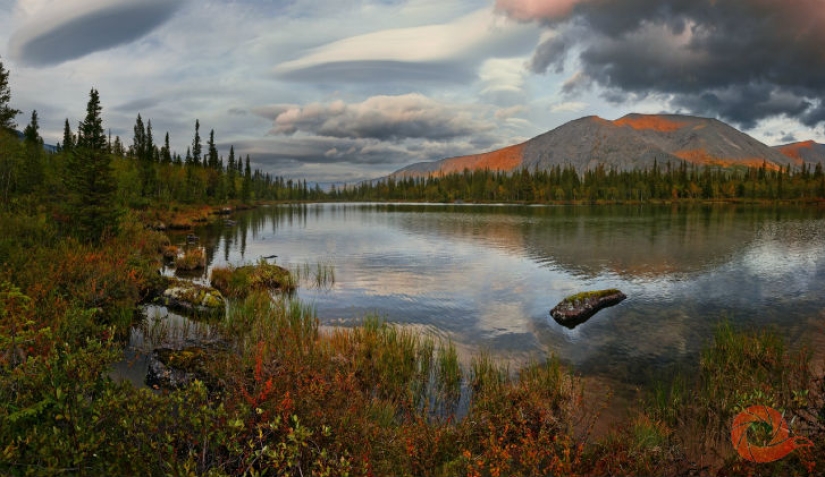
(583, 296)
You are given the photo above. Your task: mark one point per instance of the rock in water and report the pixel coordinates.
(576, 309)
(193, 299)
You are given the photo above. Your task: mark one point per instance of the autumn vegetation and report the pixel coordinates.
(285, 396)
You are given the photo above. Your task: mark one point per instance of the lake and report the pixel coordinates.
(486, 276)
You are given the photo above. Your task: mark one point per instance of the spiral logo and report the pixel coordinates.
(778, 446)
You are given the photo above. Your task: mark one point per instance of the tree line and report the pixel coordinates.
(89, 178)
(563, 184)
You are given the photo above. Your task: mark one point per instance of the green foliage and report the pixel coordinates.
(90, 180)
(7, 113)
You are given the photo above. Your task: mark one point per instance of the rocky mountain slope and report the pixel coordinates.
(807, 151)
(634, 141)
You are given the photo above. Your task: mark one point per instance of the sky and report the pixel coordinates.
(346, 90)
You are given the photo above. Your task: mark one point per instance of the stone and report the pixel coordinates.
(193, 299)
(576, 309)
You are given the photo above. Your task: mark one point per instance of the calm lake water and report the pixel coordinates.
(486, 277)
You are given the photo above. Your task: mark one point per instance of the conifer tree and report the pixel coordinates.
(146, 159)
(212, 158)
(31, 174)
(31, 135)
(68, 137)
(89, 178)
(149, 152)
(165, 152)
(230, 173)
(196, 145)
(7, 113)
(246, 187)
(139, 139)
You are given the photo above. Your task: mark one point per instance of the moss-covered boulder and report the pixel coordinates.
(576, 309)
(171, 368)
(238, 282)
(193, 299)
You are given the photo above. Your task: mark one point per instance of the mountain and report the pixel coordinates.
(634, 141)
(807, 151)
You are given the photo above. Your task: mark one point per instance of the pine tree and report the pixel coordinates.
(31, 174)
(246, 187)
(230, 173)
(31, 135)
(68, 137)
(149, 153)
(165, 152)
(196, 144)
(139, 139)
(90, 180)
(7, 113)
(212, 157)
(147, 163)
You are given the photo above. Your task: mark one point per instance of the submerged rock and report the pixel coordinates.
(576, 309)
(193, 299)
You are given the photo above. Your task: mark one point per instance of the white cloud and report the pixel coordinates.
(451, 48)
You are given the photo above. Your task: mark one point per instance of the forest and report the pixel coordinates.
(81, 243)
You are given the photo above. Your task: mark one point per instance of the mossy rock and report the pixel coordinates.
(193, 299)
(576, 309)
(239, 282)
(171, 368)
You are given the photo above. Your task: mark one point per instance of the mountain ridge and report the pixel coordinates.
(634, 141)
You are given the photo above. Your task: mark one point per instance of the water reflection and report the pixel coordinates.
(487, 276)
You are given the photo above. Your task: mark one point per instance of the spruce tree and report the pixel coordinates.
(230, 173)
(196, 145)
(90, 180)
(147, 163)
(139, 139)
(246, 186)
(165, 152)
(7, 113)
(212, 158)
(32, 168)
(68, 137)
(31, 135)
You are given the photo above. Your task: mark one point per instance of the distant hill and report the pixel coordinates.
(634, 141)
(807, 151)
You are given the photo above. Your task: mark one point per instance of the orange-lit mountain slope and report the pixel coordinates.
(635, 141)
(806, 151)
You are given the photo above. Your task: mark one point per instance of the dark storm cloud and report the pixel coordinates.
(550, 52)
(62, 35)
(742, 60)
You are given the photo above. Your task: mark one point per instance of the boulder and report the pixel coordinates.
(174, 368)
(193, 299)
(576, 309)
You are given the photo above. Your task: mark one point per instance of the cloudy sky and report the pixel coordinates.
(343, 90)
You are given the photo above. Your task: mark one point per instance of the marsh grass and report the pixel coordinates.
(193, 258)
(737, 370)
(319, 276)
